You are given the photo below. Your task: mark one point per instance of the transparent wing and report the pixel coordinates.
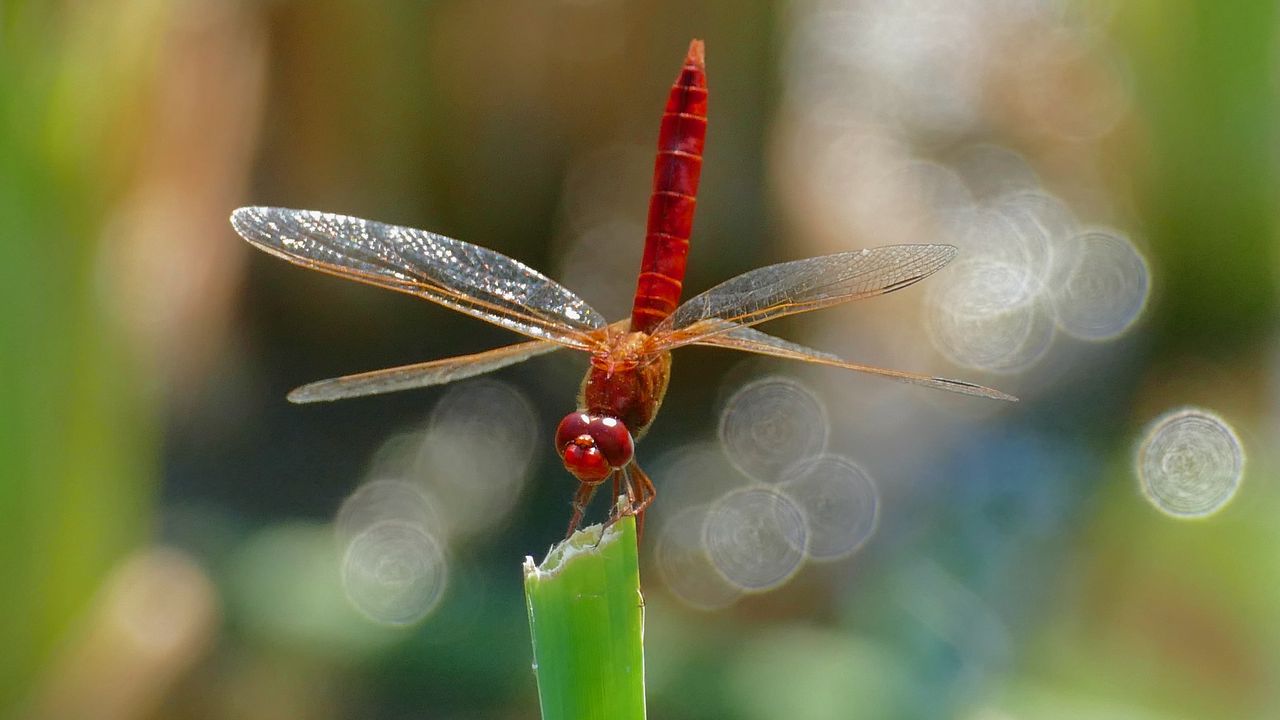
(749, 340)
(436, 372)
(465, 277)
(800, 286)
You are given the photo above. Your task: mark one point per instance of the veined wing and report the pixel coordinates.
(435, 372)
(465, 277)
(799, 286)
(750, 340)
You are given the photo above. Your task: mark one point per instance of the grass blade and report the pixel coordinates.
(586, 616)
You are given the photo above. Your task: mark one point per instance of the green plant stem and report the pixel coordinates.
(586, 616)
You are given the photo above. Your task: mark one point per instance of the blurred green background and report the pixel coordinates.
(167, 548)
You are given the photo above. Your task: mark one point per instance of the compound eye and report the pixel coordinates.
(586, 462)
(613, 439)
(573, 426)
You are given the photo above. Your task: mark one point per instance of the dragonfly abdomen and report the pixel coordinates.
(675, 192)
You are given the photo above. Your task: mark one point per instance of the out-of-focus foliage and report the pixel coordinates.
(80, 446)
(180, 542)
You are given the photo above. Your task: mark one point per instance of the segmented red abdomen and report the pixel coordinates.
(675, 195)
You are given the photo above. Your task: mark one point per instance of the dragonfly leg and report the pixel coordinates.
(622, 483)
(646, 492)
(581, 499)
(613, 499)
(640, 494)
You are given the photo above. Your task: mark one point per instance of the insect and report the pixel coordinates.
(630, 359)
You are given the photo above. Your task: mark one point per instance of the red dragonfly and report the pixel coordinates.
(630, 359)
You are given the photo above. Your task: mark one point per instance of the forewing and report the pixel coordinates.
(436, 372)
(465, 277)
(750, 340)
(800, 286)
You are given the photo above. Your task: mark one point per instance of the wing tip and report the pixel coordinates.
(247, 210)
(238, 216)
(305, 394)
(976, 390)
(243, 218)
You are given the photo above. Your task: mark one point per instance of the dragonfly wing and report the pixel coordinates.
(750, 340)
(800, 286)
(436, 372)
(465, 277)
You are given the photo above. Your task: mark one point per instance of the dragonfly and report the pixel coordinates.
(630, 360)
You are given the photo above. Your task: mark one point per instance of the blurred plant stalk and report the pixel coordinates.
(155, 617)
(128, 129)
(586, 615)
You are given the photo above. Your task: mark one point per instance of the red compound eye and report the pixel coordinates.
(573, 426)
(613, 439)
(584, 441)
(586, 462)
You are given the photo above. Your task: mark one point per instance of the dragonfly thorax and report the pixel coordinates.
(624, 352)
(593, 446)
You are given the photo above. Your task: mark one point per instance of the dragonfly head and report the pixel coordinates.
(593, 446)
